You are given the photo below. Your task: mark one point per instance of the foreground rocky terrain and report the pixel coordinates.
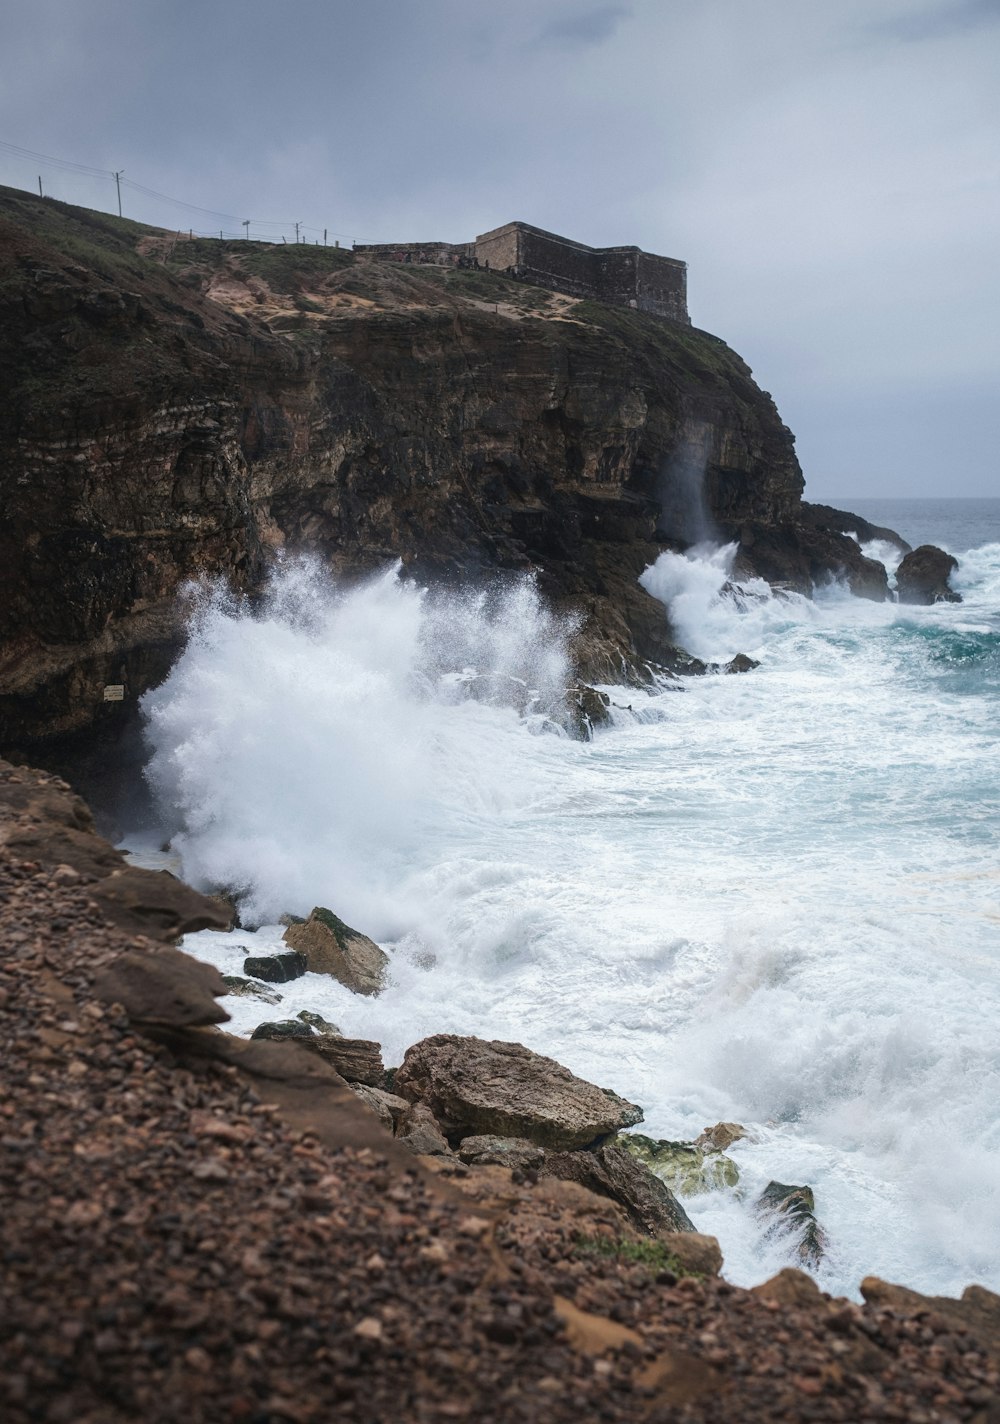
(172, 409)
(200, 1228)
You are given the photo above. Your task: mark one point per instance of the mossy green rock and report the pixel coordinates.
(331, 947)
(687, 1169)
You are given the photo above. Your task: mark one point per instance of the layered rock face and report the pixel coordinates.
(178, 409)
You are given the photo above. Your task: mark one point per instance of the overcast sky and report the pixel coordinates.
(829, 169)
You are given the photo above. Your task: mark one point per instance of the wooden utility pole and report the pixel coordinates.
(118, 185)
(40, 193)
(246, 225)
(297, 226)
(324, 230)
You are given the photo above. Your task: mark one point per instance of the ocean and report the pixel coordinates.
(768, 898)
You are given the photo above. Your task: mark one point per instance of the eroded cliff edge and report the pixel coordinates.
(174, 408)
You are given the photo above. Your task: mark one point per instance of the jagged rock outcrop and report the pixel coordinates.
(923, 576)
(612, 1172)
(475, 1087)
(176, 409)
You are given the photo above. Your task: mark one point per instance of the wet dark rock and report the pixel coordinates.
(792, 1210)
(276, 968)
(282, 1030)
(741, 663)
(923, 576)
(839, 521)
(318, 1023)
(588, 709)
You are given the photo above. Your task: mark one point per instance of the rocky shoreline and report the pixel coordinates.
(204, 1228)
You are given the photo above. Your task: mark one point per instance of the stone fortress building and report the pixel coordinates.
(621, 276)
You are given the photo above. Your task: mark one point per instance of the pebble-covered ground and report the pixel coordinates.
(172, 1250)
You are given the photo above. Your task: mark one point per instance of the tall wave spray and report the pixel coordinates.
(302, 751)
(774, 902)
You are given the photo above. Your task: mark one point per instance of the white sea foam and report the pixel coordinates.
(776, 903)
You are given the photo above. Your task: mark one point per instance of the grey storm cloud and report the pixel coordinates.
(829, 172)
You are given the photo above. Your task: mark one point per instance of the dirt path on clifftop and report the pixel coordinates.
(175, 1249)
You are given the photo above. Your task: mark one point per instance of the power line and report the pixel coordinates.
(118, 176)
(59, 162)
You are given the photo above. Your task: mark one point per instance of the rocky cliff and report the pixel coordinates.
(176, 408)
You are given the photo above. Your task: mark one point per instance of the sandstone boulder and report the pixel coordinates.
(358, 1060)
(923, 576)
(612, 1172)
(696, 1253)
(474, 1086)
(421, 1133)
(388, 1108)
(720, 1136)
(490, 1151)
(331, 947)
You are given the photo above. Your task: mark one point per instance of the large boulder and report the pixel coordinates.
(923, 576)
(474, 1087)
(614, 1173)
(331, 947)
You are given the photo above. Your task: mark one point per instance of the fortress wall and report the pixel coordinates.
(554, 262)
(622, 276)
(617, 275)
(661, 286)
(439, 254)
(501, 247)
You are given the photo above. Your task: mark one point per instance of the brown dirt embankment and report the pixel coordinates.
(195, 1228)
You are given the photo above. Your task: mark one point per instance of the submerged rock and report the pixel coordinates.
(331, 947)
(250, 989)
(923, 576)
(792, 1210)
(686, 1167)
(612, 1172)
(318, 1023)
(587, 709)
(275, 968)
(473, 1086)
(741, 663)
